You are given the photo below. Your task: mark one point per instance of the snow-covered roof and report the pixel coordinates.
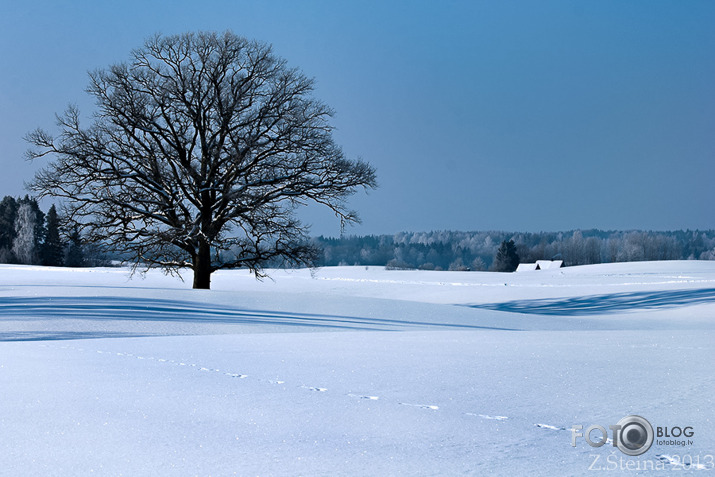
(540, 265)
(548, 264)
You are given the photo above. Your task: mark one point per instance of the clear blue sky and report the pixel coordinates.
(511, 115)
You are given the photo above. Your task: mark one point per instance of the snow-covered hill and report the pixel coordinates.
(352, 370)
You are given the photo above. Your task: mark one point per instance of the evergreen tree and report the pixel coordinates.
(506, 259)
(8, 214)
(53, 248)
(75, 253)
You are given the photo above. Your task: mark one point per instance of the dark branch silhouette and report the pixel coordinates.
(201, 150)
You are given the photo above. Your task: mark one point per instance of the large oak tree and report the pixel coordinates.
(201, 150)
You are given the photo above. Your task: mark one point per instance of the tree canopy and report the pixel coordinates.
(202, 149)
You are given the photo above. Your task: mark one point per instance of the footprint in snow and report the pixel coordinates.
(421, 406)
(320, 390)
(552, 428)
(677, 463)
(235, 375)
(360, 396)
(485, 416)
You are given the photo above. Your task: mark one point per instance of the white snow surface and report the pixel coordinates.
(353, 371)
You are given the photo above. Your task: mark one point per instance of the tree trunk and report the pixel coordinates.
(202, 267)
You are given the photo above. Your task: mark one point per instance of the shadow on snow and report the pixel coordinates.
(604, 304)
(112, 308)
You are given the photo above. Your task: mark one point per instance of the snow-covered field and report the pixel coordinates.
(353, 371)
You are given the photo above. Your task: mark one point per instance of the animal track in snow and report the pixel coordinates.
(310, 388)
(367, 397)
(609, 441)
(235, 375)
(668, 460)
(421, 406)
(550, 427)
(485, 416)
(677, 463)
(360, 396)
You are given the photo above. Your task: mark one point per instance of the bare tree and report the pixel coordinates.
(202, 149)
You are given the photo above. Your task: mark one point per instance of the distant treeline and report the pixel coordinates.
(30, 236)
(446, 250)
